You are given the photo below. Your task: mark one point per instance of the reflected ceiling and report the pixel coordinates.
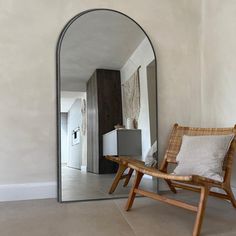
(99, 39)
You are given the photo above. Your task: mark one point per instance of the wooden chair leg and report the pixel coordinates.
(127, 179)
(163, 168)
(132, 194)
(201, 210)
(172, 188)
(230, 193)
(118, 176)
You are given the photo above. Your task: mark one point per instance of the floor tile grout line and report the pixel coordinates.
(125, 218)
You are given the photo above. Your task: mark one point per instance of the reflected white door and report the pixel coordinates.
(74, 135)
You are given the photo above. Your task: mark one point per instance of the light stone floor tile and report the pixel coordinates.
(149, 217)
(102, 218)
(49, 218)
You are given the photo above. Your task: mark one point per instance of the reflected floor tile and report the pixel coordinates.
(77, 185)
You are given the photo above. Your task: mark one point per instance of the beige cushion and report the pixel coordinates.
(203, 155)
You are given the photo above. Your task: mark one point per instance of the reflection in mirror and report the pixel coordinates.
(107, 76)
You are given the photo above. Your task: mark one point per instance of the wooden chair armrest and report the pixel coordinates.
(123, 159)
(152, 171)
(204, 180)
(157, 173)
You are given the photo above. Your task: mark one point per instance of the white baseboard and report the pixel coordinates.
(27, 191)
(83, 168)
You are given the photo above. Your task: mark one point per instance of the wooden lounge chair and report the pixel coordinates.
(192, 182)
(123, 162)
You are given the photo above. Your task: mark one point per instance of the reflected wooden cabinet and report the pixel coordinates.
(104, 110)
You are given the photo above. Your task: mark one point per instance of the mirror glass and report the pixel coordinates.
(107, 103)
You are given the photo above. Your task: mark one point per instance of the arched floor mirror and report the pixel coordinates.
(106, 102)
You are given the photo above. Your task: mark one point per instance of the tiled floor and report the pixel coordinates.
(77, 185)
(107, 218)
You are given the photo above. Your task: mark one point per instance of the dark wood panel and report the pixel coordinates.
(92, 125)
(109, 110)
(104, 111)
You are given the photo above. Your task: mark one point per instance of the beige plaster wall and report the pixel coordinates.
(28, 36)
(219, 65)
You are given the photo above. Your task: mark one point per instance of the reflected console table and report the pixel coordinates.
(122, 142)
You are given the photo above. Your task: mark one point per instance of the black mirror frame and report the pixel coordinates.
(58, 95)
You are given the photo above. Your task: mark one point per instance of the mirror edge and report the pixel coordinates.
(58, 97)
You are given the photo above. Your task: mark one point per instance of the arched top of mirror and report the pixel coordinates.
(98, 39)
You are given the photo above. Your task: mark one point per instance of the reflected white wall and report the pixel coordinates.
(142, 56)
(64, 138)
